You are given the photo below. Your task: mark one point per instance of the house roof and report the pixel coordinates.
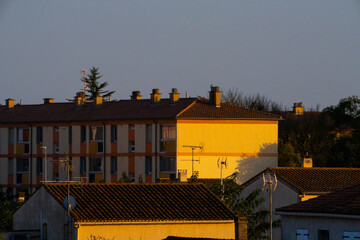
(185, 108)
(314, 180)
(142, 202)
(344, 202)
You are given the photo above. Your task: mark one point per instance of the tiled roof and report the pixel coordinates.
(314, 180)
(346, 201)
(203, 110)
(185, 108)
(142, 202)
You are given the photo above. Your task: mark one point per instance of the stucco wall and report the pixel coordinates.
(28, 216)
(157, 231)
(336, 226)
(282, 196)
(248, 146)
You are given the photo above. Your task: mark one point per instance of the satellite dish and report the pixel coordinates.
(71, 204)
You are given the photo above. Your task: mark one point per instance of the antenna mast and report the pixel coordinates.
(221, 162)
(269, 181)
(193, 147)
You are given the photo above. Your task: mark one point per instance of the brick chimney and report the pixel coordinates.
(80, 98)
(135, 95)
(174, 95)
(298, 108)
(10, 103)
(306, 162)
(48, 100)
(98, 99)
(155, 96)
(215, 96)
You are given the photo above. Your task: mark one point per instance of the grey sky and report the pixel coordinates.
(288, 50)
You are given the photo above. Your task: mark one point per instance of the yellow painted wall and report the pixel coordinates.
(157, 231)
(248, 146)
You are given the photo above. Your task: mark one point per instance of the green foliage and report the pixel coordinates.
(248, 207)
(255, 101)
(140, 179)
(6, 211)
(124, 178)
(194, 177)
(94, 88)
(93, 237)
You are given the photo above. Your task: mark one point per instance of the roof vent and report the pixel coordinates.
(135, 95)
(155, 96)
(174, 95)
(48, 100)
(215, 96)
(10, 103)
(80, 98)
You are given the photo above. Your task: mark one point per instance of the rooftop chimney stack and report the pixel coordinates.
(298, 108)
(306, 162)
(155, 96)
(215, 96)
(80, 98)
(135, 95)
(174, 95)
(48, 100)
(98, 99)
(10, 103)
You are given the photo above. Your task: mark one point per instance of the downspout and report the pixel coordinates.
(104, 151)
(30, 169)
(156, 151)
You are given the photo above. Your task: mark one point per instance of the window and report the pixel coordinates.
(113, 133)
(167, 131)
(11, 166)
(83, 134)
(56, 148)
(96, 133)
(22, 170)
(148, 133)
(22, 135)
(70, 134)
(11, 136)
(323, 235)
(167, 138)
(95, 165)
(22, 165)
(82, 165)
(131, 146)
(113, 165)
(302, 234)
(39, 165)
(167, 164)
(148, 165)
(39, 135)
(351, 235)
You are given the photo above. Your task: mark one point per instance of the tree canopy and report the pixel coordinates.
(93, 87)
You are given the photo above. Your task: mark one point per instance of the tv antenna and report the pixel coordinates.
(222, 162)
(269, 179)
(193, 147)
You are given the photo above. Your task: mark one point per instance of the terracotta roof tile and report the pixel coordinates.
(185, 108)
(315, 180)
(346, 201)
(142, 202)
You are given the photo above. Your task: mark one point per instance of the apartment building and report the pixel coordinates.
(147, 139)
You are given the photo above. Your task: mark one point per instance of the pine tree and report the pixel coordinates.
(93, 87)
